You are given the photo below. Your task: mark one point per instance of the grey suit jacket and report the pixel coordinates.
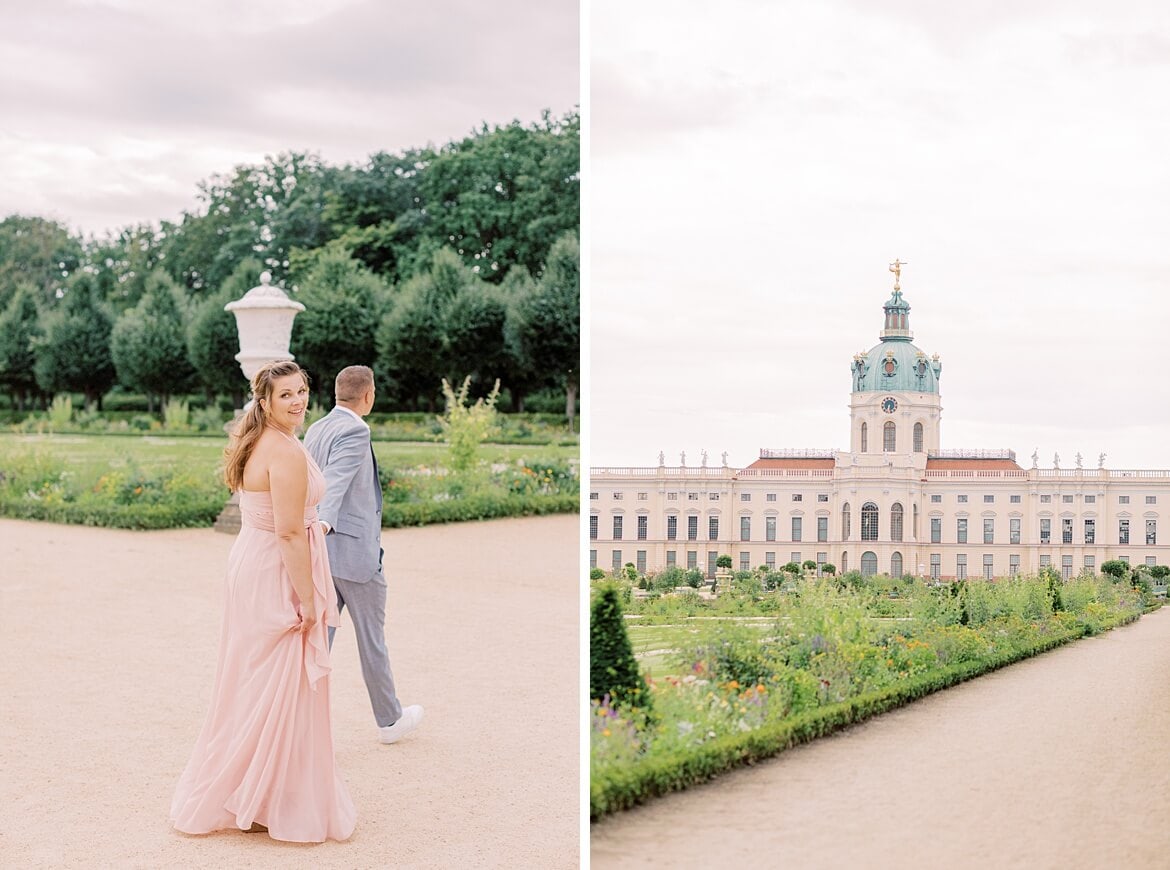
(352, 506)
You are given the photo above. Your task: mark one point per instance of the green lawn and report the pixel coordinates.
(93, 455)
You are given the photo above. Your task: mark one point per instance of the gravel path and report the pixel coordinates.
(109, 650)
(1061, 761)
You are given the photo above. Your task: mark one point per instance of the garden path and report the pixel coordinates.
(109, 650)
(1057, 761)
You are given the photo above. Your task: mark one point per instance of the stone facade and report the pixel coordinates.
(894, 503)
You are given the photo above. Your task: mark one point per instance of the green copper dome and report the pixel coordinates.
(896, 365)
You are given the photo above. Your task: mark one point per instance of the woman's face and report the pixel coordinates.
(288, 401)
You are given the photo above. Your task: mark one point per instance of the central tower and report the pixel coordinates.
(895, 405)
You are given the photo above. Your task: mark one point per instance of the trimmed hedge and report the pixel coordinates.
(621, 788)
(478, 507)
(115, 516)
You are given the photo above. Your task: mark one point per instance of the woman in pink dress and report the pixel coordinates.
(264, 759)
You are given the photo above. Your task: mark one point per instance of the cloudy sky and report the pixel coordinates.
(111, 111)
(756, 166)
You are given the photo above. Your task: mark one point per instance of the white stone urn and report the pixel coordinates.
(264, 318)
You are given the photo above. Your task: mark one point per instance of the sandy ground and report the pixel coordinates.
(108, 656)
(1061, 761)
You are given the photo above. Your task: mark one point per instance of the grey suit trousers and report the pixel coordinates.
(367, 611)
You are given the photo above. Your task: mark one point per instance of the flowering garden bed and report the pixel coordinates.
(730, 694)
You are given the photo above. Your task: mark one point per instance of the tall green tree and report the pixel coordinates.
(344, 303)
(74, 353)
(502, 196)
(123, 262)
(213, 339)
(37, 252)
(19, 330)
(548, 321)
(148, 342)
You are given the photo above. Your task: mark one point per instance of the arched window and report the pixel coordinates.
(844, 562)
(845, 523)
(896, 565)
(889, 439)
(868, 563)
(869, 521)
(917, 437)
(864, 437)
(896, 522)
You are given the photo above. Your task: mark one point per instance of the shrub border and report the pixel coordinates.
(622, 788)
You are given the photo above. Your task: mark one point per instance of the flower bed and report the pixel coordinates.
(734, 694)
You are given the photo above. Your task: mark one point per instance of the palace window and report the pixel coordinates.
(961, 530)
(713, 528)
(1123, 499)
(745, 528)
(617, 528)
(1014, 530)
(593, 520)
(1151, 532)
(594, 496)
(712, 496)
(770, 497)
(864, 438)
(1066, 499)
(889, 437)
(896, 523)
(1090, 563)
(1151, 561)
(1066, 530)
(795, 557)
(672, 527)
(822, 496)
(592, 559)
(1014, 499)
(989, 499)
(796, 496)
(712, 558)
(1045, 561)
(962, 499)
(745, 563)
(1090, 499)
(988, 566)
(917, 437)
(868, 563)
(845, 523)
(616, 561)
(770, 561)
(936, 530)
(936, 499)
(692, 496)
(643, 524)
(1066, 567)
(1090, 531)
(692, 559)
(1151, 499)
(988, 530)
(671, 558)
(672, 496)
(935, 565)
(869, 522)
(822, 528)
(1123, 531)
(896, 565)
(961, 566)
(769, 528)
(618, 496)
(1045, 531)
(692, 528)
(1014, 564)
(745, 496)
(1045, 499)
(641, 561)
(796, 528)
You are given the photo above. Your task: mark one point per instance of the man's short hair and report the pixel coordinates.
(352, 382)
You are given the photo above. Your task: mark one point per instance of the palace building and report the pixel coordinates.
(895, 502)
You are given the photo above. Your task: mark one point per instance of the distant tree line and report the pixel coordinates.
(434, 262)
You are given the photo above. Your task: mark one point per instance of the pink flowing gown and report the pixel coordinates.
(265, 753)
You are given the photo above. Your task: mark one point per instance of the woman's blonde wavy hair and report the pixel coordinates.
(249, 427)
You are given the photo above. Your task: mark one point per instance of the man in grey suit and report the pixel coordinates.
(351, 516)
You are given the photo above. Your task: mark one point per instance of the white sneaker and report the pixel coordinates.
(410, 719)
